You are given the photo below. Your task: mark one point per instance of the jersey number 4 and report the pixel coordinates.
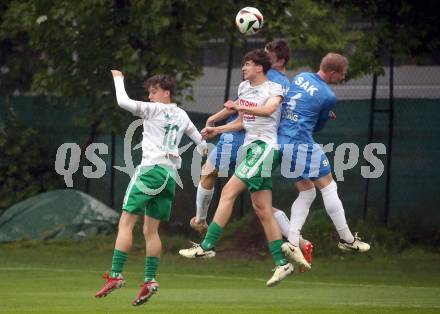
(292, 102)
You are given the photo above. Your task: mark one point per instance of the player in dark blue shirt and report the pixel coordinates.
(307, 107)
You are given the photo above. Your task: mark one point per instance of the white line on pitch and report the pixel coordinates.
(298, 282)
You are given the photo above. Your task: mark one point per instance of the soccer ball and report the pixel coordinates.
(249, 20)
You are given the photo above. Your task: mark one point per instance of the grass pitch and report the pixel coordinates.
(63, 278)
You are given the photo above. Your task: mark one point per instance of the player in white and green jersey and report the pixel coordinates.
(224, 157)
(258, 105)
(152, 187)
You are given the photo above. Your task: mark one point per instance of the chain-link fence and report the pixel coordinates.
(413, 179)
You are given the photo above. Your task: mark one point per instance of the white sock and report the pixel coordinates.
(335, 210)
(203, 200)
(300, 210)
(283, 222)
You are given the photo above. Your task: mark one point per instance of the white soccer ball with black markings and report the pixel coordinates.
(249, 20)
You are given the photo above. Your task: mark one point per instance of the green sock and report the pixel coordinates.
(212, 236)
(151, 264)
(118, 261)
(277, 253)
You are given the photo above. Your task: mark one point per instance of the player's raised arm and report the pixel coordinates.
(220, 115)
(272, 104)
(121, 95)
(236, 125)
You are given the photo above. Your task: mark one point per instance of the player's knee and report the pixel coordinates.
(145, 231)
(304, 185)
(263, 214)
(127, 222)
(149, 232)
(209, 169)
(331, 188)
(308, 195)
(227, 197)
(332, 202)
(208, 181)
(261, 210)
(258, 210)
(227, 190)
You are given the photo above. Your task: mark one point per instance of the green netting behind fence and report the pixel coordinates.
(414, 174)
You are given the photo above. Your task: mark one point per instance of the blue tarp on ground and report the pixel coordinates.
(57, 214)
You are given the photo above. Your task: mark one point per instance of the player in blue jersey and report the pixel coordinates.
(279, 53)
(307, 107)
(223, 158)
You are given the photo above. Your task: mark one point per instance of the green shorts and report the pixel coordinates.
(151, 191)
(256, 168)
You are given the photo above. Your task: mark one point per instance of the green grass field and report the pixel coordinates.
(63, 277)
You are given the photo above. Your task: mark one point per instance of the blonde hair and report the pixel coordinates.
(333, 62)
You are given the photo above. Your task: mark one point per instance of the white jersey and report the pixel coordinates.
(164, 126)
(260, 128)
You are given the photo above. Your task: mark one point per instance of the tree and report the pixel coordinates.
(399, 30)
(25, 169)
(312, 28)
(403, 29)
(77, 43)
(67, 48)
(73, 45)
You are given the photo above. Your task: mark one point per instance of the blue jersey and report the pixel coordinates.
(237, 136)
(306, 107)
(280, 78)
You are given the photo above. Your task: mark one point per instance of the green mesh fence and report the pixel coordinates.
(414, 175)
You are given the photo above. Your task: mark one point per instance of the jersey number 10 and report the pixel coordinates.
(170, 139)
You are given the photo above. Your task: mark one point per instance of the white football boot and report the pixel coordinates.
(294, 254)
(356, 246)
(196, 252)
(280, 272)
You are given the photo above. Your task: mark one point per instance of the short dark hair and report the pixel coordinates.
(280, 48)
(163, 81)
(259, 57)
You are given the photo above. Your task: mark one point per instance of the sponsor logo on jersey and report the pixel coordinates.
(247, 103)
(289, 115)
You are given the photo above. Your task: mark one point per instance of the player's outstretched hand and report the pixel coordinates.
(332, 115)
(209, 132)
(204, 133)
(116, 73)
(230, 105)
